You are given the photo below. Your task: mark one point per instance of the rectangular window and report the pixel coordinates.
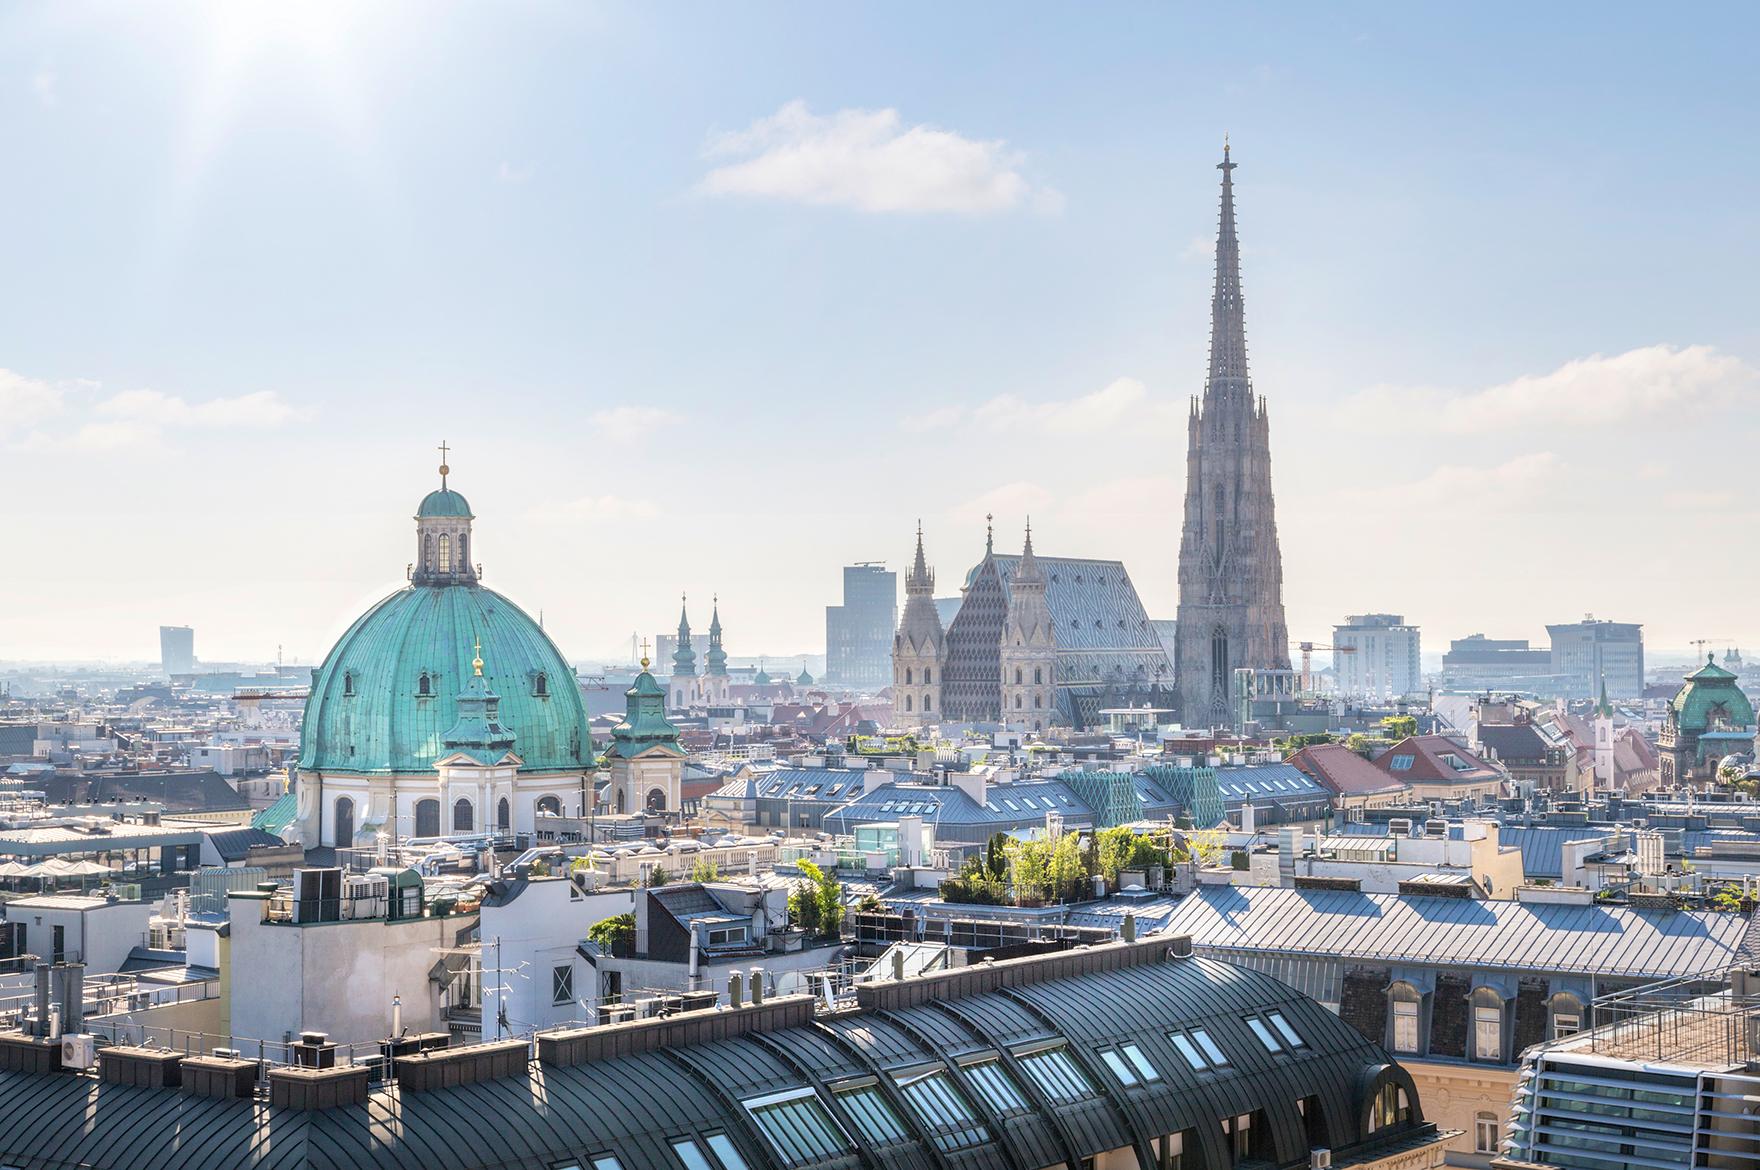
(1266, 1037)
(562, 984)
(1057, 1075)
(1208, 1046)
(995, 1086)
(1290, 1036)
(1239, 1131)
(943, 1111)
(797, 1127)
(1401, 763)
(1565, 1024)
(1120, 1067)
(1170, 1151)
(871, 1114)
(1405, 1025)
(1486, 1133)
(1488, 1033)
(1189, 1050)
(690, 1155)
(726, 1153)
(607, 1162)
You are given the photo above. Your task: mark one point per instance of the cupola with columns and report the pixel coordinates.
(443, 536)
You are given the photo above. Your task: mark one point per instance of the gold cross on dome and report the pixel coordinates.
(644, 654)
(444, 469)
(477, 662)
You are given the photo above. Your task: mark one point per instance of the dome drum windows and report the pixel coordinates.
(348, 684)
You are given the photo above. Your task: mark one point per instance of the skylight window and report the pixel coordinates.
(797, 1127)
(1057, 1075)
(1130, 1066)
(1208, 1046)
(995, 1086)
(942, 1110)
(1291, 1037)
(1401, 763)
(1266, 1036)
(1190, 1051)
(871, 1113)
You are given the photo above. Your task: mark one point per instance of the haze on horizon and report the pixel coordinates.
(720, 300)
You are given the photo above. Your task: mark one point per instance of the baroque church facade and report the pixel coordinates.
(444, 710)
(1230, 567)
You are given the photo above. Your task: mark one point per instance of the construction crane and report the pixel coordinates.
(1701, 643)
(1307, 649)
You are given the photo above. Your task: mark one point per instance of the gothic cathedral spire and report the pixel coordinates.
(1230, 568)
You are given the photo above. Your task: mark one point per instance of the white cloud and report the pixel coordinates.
(624, 424)
(870, 161)
(26, 401)
(1637, 384)
(1199, 248)
(259, 411)
(1122, 403)
(1525, 479)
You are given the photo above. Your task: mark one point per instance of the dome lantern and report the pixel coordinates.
(443, 536)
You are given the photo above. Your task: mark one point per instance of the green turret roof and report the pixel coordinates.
(479, 732)
(684, 658)
(803, 678)
(1709, 699)
(644, 726)
(716, 658)
(444, 502)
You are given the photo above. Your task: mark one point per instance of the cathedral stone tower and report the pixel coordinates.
(1029, 646)
(1230, 570)
(917, 649)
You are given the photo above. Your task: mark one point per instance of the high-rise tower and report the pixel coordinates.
(1230, 570)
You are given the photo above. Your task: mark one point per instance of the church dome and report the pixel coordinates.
(443, 502)
(388, 691)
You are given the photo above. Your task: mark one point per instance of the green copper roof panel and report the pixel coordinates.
(366, 712)
(443, 502)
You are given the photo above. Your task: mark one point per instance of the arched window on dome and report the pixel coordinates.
(445, 565)
(427, 818)
(503, 815)
(541, 685)
(463, 816)
(425, 685)
(348, 684)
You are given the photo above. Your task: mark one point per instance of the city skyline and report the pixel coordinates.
(807, 307)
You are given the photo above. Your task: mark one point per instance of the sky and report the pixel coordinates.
(717, 298)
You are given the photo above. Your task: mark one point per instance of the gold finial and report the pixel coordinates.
(477, 662)
(644, 654)
(444, 469)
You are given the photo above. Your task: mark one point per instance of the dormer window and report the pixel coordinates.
(348, 684)
(541, 685)
(425, 685)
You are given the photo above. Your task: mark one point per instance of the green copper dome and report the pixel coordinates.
(444, 502)
(369, 710)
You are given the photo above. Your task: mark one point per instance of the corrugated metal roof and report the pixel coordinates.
(1507, 935)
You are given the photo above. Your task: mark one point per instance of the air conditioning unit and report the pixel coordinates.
(227, 1053)
(78, 1051)
(1320, 1159)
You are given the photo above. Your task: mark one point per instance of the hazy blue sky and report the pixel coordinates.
(718, 297)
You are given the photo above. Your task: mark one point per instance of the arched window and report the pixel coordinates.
(622, 804)
(347, 683)
(1038, 699)
(656, 800)
(1038, 675)
(1487, 1025)
(424, 685)
(1403, 1006)
(908, 677)
(503, 815)
(928, 676)
(928, 702)
(1018, 702)
(427, 818)
(1219, 660)
(541, 685)
(464, 551)
(445, 565)
(549, 804)
(907, 702)
(344, 829)
(1017, 676)
(428, 551)
(463, 816)
(1567, 1015)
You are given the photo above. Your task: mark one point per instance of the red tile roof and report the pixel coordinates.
(1434, 759)
(1343, 771)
